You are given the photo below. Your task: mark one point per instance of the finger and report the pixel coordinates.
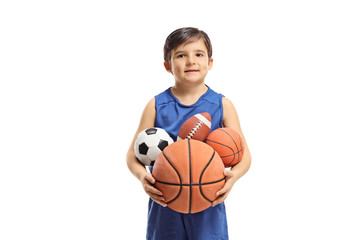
(156, 197)
(219, 200)
(228, 173)
(151, 189)
(223, 190)
(150, 178)
(162, 203)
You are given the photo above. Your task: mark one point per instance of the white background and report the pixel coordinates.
(75, 76)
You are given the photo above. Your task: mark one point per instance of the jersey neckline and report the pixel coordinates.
(192, 105)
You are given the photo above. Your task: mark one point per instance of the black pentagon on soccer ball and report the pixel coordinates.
(151, 131)
(162, 144)
(143, 149)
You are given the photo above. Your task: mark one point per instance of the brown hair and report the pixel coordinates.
(185, 35)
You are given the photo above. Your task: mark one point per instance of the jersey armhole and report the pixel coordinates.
(222, 111)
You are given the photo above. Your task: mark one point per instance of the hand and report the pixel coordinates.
(224, 192)
(147, 181)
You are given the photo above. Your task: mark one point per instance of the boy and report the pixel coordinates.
(188, 57)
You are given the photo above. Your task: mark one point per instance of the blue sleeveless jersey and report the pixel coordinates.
(171, 113)
(164, 223)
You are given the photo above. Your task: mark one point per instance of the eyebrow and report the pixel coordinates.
(199, 50)
(175, 53)
(202, 51)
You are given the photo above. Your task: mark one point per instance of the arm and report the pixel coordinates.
(137, 168)
(231, 120)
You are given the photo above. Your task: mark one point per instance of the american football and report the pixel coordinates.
(197, 127)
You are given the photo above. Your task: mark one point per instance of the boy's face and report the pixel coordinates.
(189, 62)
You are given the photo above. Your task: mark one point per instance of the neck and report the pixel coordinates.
(188, 95)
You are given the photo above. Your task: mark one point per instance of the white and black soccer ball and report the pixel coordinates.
(149, 144)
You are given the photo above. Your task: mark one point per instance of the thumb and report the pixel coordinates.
(228, 173)
(150, 178)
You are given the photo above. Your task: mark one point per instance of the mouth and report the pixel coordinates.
(191, 71)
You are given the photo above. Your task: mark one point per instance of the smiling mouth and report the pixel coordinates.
(191, 70)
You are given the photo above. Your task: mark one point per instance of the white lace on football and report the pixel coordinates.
(193, 131)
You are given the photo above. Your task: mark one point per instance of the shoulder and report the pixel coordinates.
(149, 107)
(227, 104)
(212, 92)
(151, 103)
(163, 97)
(148, 116)
(230, 118)
(212, 96)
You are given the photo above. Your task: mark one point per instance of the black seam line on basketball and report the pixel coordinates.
(190, 188)
(241, 147)
(234, 153)
(202, 173)
(178, 177)
(239, 150)
(227, 147)
(231, 154)
(193, 184)
(231, 138)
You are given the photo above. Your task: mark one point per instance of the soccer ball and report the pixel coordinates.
(149, 144)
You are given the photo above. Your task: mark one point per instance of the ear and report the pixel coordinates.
(211, 61)
(167, 66)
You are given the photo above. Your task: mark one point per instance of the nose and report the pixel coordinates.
(190, 61)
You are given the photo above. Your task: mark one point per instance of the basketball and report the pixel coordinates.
(189, 173)
(228, 144)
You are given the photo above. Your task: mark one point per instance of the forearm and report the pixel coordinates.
(231, 120)
(135, 167)
(147, 121)
(243, 166)
(233, 175)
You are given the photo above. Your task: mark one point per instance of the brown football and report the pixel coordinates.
(197, 127)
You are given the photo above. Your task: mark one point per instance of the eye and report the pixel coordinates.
(180, 56)
(199, 54)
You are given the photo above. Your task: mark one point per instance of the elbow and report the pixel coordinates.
(248, 160)
(129, 156)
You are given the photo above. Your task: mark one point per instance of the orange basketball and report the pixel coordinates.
(189, 173)
(228, 144)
